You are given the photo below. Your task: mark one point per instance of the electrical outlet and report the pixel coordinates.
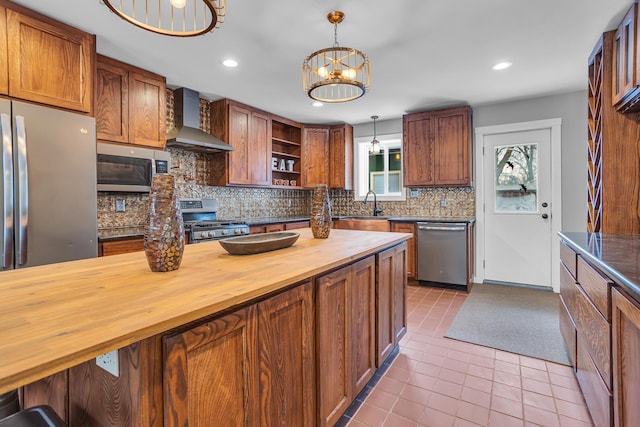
(443, 203)
(109, 362)
(120, 205)
(413, 193)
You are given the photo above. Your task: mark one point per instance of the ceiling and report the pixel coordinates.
(424, 54)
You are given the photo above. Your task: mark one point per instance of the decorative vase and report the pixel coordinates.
(164, 229)
(320, 212)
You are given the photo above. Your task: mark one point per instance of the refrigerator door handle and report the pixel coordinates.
(7, 202)
(23, 192)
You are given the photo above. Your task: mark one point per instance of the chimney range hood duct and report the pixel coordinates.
(187, 133)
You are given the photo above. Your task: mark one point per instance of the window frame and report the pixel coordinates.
(361, 166)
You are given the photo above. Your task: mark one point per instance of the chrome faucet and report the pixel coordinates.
(376, 211)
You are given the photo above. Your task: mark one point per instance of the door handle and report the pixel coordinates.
(7, 203)
(23, 192)
(545, 216)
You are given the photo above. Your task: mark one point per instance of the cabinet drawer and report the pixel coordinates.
(596, 286)
(596, 394)
(568, 258)
(568, 330)
(568, 290)
(595, 334)
(296, 225)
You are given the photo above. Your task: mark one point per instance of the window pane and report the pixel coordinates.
(378, 182)
(394, 182)
(516, 178)
(395, 159)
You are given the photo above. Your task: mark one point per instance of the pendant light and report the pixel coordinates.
(336, 74)
(375, 144)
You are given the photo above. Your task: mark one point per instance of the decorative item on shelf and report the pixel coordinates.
(321, 212)
(336, 74)
(290, 165)
(174, 18)
(274, 163)
(292, 182)
(375, 144)
(282, 166)
(164, 229)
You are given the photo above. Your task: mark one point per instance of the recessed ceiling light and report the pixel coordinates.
(230, 63)
(317, 104)
(502, 65)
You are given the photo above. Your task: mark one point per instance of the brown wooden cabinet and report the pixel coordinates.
(437, 148)
(315, 156)
(626, 370)
(278, 226)
(391, 318)
(123, 246)
(286, 152)
(248, 131)
(408, 227)
(345, 318)
(367, 224)
(211, 373)
(341, 157)
(130, 104)
(63, 77)
(626, 64)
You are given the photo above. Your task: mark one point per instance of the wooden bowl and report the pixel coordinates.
(258, 243)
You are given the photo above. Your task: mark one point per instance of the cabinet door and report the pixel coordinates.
(117, 247)
(147, 110)
(50, 62)
(341, 157)
(315, 157)
(334, 381)
(626, 369)
(112, 102)
(4, 59)
(361, 323)
(211, 373)
(418, 149)
(260, 152)
(452, 161)
(239, 122)
(624, 58)
(408, 227)
(287, 364)
(400, 292)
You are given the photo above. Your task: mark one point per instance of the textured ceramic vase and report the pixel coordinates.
(320, 212)
(164, 229)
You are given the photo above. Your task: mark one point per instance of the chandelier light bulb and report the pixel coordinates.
(178, 4)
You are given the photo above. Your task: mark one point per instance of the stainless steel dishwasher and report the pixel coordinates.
(442, 254)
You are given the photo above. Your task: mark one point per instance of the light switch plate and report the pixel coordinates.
(120, 207)
(443, 203)
(109, 362)
(413, 193)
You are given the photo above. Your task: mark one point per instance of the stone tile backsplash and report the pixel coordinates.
(190, 170)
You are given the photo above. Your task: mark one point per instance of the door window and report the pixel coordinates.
(516, 174)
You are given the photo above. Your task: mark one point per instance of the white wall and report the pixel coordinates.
(570, 107)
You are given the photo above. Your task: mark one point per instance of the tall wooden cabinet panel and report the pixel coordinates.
(248, 131)
(625, 78)
(408, 227)
(341, 157)
(345, 318)
(437, 148)
(48, 62)
(626, 370)
(315, 158)
(4, 58)
(211, 373)
(613, 150)
(287, 363)
(130, 104)
(391, 300)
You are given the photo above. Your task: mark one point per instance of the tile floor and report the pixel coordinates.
(439, 382)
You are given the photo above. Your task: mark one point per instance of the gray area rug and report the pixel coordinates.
(514, 319)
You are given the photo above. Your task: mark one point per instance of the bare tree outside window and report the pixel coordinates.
(516, 179)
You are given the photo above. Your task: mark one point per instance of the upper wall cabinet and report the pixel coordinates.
(248, 131)
(45, 61)
(315, 158)
(130, 104)
(341, 157)
(437, 148)
(626, 63)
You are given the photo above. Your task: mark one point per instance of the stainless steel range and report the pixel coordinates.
(202, 225)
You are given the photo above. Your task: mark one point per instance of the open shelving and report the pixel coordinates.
(286, 139)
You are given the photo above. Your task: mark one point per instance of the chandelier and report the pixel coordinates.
(336, 74)
(181, 18)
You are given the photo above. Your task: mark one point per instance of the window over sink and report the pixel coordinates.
(380, 172)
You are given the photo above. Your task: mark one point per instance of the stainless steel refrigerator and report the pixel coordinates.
(48, 196)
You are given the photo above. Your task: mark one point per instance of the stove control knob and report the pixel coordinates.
(225, 232)
(209, 233)
(237, 231)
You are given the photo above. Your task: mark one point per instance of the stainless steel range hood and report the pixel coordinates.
(187, 133)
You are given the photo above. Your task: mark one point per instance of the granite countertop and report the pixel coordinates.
(271, 220)
(116, 233)
(432, 219)
(618, 256)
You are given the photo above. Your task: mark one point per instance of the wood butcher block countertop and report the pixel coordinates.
(56, 316)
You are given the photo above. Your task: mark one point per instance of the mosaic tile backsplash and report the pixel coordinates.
(190, 170)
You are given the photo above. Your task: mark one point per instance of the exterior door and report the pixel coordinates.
(517, 207)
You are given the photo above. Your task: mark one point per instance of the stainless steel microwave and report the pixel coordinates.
(123, 168)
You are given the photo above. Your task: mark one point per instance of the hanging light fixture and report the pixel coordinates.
(181, 18)
(375, 144)
(336, 74)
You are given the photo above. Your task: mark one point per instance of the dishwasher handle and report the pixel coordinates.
(453, 227)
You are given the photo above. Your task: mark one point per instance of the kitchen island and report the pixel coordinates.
(55, 319)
